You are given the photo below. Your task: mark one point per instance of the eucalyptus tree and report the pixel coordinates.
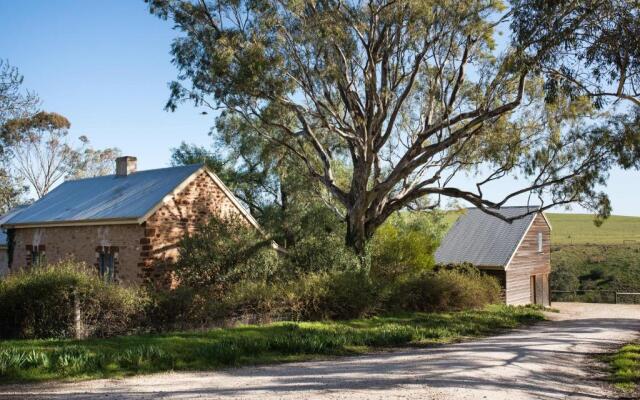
(15, 102)
(41, 152)
(406, 95)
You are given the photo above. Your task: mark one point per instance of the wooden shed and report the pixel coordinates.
(517, 253)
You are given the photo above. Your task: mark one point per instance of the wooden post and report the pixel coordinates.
(77, 317)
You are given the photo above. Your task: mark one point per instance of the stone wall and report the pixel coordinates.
(82, 243)
(195, 204)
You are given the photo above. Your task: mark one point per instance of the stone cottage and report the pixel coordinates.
(127, 225)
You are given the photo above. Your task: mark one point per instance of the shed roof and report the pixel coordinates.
(483, 239)
(105, 198)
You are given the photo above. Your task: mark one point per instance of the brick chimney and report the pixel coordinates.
(126, 165)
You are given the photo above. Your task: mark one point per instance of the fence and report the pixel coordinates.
(596, 296)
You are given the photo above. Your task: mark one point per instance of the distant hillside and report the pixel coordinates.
(579, 229)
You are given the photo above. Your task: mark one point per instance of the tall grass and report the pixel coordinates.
(250, 344)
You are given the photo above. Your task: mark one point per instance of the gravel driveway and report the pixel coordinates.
(551, 360)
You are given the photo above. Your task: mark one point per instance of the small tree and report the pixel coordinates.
(221, 253)
(14, 103)
(41, 153)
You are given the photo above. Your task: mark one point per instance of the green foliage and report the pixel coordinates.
(405, 243)
(321, 253)
(625, 368)
(223, 252)
(183, 308)
(596, 267)
(445, 289)
(39, 303)
(251, 344)
(187, 154)
(352, 90)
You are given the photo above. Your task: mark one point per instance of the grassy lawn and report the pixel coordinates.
(36, 360)
(625, 366)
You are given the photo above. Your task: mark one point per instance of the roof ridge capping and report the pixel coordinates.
(199, 165)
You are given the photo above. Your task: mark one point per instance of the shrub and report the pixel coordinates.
(184, 308)
(443, 290)
(40, 303)
(320, 254)
(221, 253)
(405, 244)
(336, 295)
(313, 296)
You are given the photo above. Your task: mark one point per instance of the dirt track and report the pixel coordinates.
(551, 360)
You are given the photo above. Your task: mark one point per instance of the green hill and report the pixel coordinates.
(580, 229)
(595, 260)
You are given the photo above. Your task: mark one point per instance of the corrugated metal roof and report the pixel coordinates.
(108, 197)
(482, 239)
(6, 217)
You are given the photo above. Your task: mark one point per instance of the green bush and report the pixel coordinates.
(443, 290)
(40, 303)
(222, 253)
(320, 254)
(313, 296)
(187, 308)
(405, 244)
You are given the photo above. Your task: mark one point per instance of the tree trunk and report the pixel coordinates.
(356, 237)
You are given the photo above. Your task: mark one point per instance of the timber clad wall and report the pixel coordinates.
(526, 262)
(141, 252)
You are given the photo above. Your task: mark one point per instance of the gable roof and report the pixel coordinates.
(112, 198)
(484, 240)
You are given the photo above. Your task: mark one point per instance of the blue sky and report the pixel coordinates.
(105, 65)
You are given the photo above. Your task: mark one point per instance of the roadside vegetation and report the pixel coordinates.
(241, 302)
(625, 368)
(34, 360)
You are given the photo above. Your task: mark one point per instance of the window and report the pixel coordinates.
(106, 266)
(35, 255)
(539, 242)
(37, 258)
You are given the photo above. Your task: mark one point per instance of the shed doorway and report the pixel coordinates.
(537, 289)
